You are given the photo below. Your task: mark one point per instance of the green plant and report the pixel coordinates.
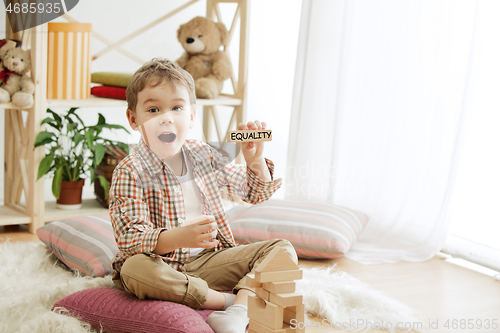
(74, 150)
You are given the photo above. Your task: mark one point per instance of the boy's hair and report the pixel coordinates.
(153, 73)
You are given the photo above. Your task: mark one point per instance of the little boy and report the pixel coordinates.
(174, 240)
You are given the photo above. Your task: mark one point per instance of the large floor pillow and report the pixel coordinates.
(115, 311)
(85, 244)
(316, 230)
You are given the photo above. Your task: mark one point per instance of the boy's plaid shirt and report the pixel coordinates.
(146, 198)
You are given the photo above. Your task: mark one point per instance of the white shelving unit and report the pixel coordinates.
(23, 124)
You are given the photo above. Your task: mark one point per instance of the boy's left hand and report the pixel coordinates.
(254, 151)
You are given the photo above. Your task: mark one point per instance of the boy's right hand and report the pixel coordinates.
(200, 231)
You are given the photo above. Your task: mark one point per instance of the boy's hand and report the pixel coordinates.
(254, 151)
(200, 231)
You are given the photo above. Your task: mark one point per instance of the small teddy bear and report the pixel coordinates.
(16, 85)
(201, 38)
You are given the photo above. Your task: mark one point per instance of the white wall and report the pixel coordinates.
(273, 41)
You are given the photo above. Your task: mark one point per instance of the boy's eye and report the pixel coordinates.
(153, 110)
(177, 108)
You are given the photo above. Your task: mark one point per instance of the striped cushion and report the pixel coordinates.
(317, 231)
(85, 244)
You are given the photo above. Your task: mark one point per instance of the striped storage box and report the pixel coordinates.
(68, 60)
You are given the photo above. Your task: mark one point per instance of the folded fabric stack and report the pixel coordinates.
(112, 85)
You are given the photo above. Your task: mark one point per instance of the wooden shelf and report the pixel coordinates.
(89, 207)
(88, 102)
(9, 216)
(108, 102)
(12, 106)
(22, 160)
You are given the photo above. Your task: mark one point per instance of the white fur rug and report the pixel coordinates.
(347, 303)
(32, 280)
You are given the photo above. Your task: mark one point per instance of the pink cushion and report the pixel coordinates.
(316, 230)
(114, 310)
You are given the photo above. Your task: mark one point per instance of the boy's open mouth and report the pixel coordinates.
(167, 137)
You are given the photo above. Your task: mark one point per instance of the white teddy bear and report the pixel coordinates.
(16, 85)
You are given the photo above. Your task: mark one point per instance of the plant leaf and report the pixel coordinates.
(89, 135)
(57, 118)
(72, 126)
(47, 121)
(56, 182)
(45, 166)
(43, 138)
(99, 152)
(77, 138)
(101, 120)
(104, 183)
(92, 175)
(77, 116)
(115, 126)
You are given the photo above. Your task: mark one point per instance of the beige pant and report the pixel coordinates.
(151, 278)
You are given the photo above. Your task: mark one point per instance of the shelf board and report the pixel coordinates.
(89, 207)
(9, 216)
(221, 100)
(93, 101)
(12, 106)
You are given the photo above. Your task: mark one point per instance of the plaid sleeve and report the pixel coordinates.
(133, 230)
(243, 182)
(260, 190)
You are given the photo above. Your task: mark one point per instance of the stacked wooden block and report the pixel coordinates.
(277, 308)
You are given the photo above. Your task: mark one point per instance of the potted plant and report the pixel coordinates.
(74, 150)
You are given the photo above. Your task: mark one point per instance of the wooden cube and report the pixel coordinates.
(262, 294)
(279, 287)
(286, 300)
(251, 282)
(265, 313)
(279, 276)
(259, 328)
(294, 312)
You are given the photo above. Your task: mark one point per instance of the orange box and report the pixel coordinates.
(68, 60)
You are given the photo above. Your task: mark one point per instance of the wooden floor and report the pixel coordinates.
(442, 292)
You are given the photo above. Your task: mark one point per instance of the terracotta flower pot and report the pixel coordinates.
(71, 195)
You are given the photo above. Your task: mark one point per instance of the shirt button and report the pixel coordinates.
(177, 190)
(180, 220)
(184, 250)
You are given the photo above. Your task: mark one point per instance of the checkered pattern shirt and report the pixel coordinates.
(146, 198)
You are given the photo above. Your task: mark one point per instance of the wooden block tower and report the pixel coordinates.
(277, 305)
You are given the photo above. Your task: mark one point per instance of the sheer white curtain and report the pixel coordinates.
(379, 94)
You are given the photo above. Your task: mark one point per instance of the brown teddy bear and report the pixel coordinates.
(201, 38)
(16, 85)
